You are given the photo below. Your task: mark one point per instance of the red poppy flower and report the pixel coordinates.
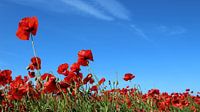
(63, 87)
(27, 26)
(31, 74)
(82, 61)
(91, 81)
(36, 61)
(35, 64)
(18, 88)
(187, 89)
(46, 76)
(86, 54)
(193, 108)
(26, 78)
(102, 81)
(128, 102)
(63, 84)
(75, 67)
(163, 105)
(17, 82)
(94, 88)
(128, 76)
(70, 77)
(153, 92)
(50, 85)
(176, 102)
(5, 77)
(63, 69)
(78, 78)
(87, 78)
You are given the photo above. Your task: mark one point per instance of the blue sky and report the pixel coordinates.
(157, 40)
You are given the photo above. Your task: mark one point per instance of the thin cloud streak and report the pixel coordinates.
(102, 9)
(115, 8)
(177, 31)
(86, 8)
(173, 30)
(140, 32)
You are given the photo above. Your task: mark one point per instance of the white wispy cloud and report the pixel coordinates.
(139, 32)
(86, 8)
(115, 8)
(102, 9)
(177, 31)
(171, 30)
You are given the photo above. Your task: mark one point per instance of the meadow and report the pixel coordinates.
(79, 92)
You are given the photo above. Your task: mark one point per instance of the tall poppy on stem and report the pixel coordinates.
(28, 28)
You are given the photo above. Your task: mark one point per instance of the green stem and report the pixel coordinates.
(34, 52)
(33, 46)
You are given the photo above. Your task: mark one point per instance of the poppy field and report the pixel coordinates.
(79, 92)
